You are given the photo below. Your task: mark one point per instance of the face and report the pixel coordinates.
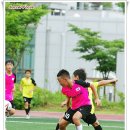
(62, 81)
(9, 66)
(75, 77)
(27, 74)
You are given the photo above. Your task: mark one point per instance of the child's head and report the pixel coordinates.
(63, 77)
(79, 74)
(28, 73)
(9, 64)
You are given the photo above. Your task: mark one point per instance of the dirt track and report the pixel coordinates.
(59, 114)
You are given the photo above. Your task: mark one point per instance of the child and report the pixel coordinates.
(27, 85)
(10, 80)
(81, 105)
(80, 74)
(8, 109)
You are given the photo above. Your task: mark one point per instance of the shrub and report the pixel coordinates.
(41, 98)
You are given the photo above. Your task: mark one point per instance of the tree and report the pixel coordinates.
(20, 27)
(92, 47)
(121, 5)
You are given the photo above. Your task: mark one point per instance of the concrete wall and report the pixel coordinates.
(54, 43)
(120, 72)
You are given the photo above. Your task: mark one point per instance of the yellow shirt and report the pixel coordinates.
(27, 86)
(90, 95)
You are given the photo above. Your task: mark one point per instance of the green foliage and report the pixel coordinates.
(111, 107)
(121, 98)
(121, 5)
(45, 100)
(107, 4)
(93, 47)
(20, 27)
(41, 98)
(18, 98)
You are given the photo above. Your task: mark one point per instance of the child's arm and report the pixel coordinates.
(13, 90)
(105, 82)
(20, 88)
(97, 100)
(34, 83)
(14, 82)
(66, 102)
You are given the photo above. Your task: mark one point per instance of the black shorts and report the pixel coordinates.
(68, 115)
(90, 119)
(85, 111)
(12, 103)
(27, 99)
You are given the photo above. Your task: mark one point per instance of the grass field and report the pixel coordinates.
(20, 123)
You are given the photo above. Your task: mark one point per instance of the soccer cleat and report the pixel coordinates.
(27, 116)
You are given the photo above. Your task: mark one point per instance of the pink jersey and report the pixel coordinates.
(9, 86)
(78, 94)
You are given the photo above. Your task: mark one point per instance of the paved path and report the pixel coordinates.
(59, 114)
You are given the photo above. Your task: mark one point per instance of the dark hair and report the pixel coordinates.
(63, 73)
(9, 61)
(28, 71)
(81, 73)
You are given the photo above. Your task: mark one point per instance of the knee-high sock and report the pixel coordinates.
(57, 126)
(98, 127)
(26, 110)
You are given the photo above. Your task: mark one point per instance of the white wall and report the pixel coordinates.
(57, 54)
(120, 72)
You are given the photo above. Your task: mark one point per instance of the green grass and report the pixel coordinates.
(50, 123)
(56, 108)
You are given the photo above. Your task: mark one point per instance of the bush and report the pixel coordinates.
(18, 98)
(41, 98)
(118, 107)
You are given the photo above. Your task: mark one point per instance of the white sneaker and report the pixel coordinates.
(27, 116)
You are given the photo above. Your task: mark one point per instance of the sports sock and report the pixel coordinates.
(29, 109)
(98, 127)
(26, 110)
(57, 126)
(80, 127)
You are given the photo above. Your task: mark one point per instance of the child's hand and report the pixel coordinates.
(63, 103)
(13, 90)
(98, 102)
(30, 91)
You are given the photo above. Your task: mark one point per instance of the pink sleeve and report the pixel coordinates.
(72, 92)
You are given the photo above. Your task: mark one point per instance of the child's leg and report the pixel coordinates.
(96, 125)
(26, 107)
(63, 124)
(76, 119)
(92, 119)
(12, 111)
(57, 126)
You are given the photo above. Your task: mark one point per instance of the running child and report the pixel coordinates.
(10, 80)
(27, 86)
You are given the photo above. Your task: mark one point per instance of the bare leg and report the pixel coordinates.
(76, 119)
(63, 124)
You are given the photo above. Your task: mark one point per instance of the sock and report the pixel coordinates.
(98, 127)
(29, 109)
(26, 110)
(80, 127)
(57, 126)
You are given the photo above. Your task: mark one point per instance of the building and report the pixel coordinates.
(53, 42)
